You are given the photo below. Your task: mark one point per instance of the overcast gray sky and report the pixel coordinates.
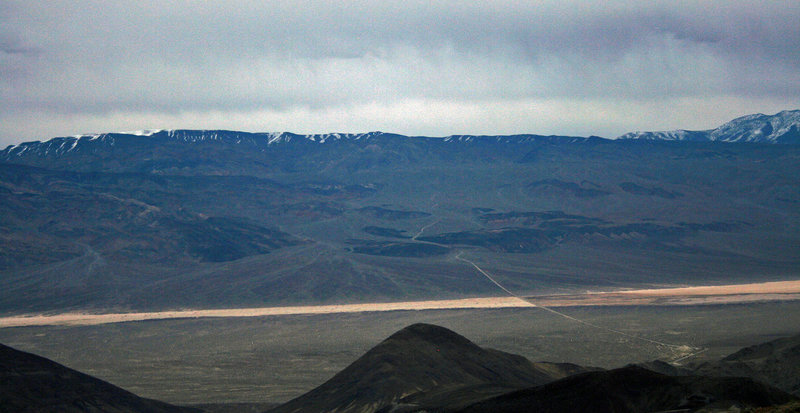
(411, 67)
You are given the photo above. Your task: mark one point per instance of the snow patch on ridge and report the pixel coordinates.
(674, 135)
(143, 132)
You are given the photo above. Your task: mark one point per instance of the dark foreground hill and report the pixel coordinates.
(422, 359)
(634, 389)
(775, 362)
(425, 368)
(29, 383)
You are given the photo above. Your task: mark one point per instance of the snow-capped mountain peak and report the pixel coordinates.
(782, 127)
(760, 128)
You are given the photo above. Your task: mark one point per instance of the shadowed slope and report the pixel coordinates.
(29, 383)
(634, 389)
(775, 362)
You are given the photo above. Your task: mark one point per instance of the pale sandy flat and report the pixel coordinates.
(721, 294)
(716, 294)
(90, 319)
(775, 287)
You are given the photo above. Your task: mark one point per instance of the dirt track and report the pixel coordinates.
(783, 290)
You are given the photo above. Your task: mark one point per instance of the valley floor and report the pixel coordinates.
(272, 359)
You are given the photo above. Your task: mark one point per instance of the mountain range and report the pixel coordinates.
(209, 219)
(781, 128)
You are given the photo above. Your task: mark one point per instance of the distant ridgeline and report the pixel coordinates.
(781, 128)
(91, 147)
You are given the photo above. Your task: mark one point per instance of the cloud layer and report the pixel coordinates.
(414, 67)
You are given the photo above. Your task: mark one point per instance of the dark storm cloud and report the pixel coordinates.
(96, 58)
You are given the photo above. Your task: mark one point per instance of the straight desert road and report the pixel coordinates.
(696, 295)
